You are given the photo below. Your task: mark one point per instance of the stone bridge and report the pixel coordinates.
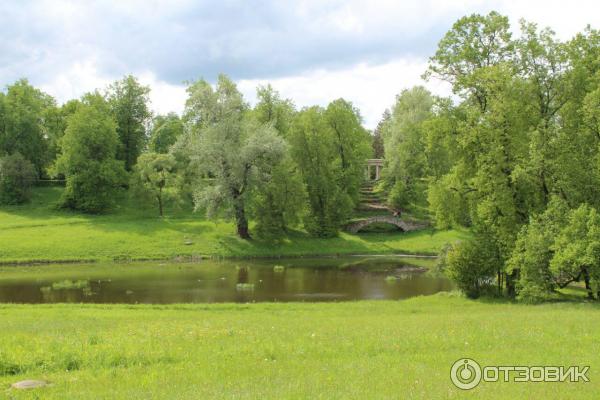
(405, 226)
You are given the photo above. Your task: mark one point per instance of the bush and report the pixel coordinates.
(17, 176)
(471, 265)
(400, 196)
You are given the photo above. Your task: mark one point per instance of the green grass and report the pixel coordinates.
(38, 231)
(355, 350)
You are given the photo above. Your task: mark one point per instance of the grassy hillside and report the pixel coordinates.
(354, 350)
(38, 231)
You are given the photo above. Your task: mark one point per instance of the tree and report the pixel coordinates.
(474, 43)
(577, 250)
(234, 150)
(87, 160)
(404, 143)
(278, 203)
(314, 149)
(377, 141)
(351, 142)
(271, 108)
(55, 123)
(22, 129)
(17, 176)
(532, 254)
(129, 105)
(156, 174)
(166, 129)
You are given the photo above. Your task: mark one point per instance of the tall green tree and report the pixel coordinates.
(279, 202)
(22, 123)
(166, 129)
(271, 108)
(404, 141)
(351, 142)
(474, 43)
(315, 150)
(228, 146)
(56, 124)
(377, 141)
(88, 157)
(128, 101)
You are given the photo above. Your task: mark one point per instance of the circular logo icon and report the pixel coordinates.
(465, 373)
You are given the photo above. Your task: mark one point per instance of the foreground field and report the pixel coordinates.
(356, 350)
(40, 232)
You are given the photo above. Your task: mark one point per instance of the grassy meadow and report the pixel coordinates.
(40, 232)
(351, 350)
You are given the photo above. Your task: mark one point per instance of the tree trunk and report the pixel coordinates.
(588, 287)
(240, 219)
(160, 205)
(511, 280)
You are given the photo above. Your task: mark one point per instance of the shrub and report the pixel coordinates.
(17, 176)
(471, 266)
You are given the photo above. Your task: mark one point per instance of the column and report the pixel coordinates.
(377, 172)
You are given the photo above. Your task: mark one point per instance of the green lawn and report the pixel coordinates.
(355, 350)
(38, 231)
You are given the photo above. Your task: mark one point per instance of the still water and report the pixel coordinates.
(207, 281)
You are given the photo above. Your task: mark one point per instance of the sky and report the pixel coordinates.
(311, 51)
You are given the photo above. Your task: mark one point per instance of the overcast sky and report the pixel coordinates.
(311, 51)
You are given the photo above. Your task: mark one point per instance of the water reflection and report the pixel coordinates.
(335, 279)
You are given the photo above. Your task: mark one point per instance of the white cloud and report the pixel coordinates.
(80, 78)
(164, 97)
(312, 51)
(371, 88)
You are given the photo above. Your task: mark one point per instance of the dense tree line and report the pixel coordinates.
(273, 164)
(515, 156)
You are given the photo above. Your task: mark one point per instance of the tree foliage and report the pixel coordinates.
(17, 176)
(88, 158)
(128, 101)
(278, 203)
(155, 173)
(23, 110)
(518, 156)
(166, 129)
(235, 152)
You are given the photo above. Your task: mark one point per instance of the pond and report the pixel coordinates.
(208, 281)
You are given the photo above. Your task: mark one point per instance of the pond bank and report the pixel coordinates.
(187, 259)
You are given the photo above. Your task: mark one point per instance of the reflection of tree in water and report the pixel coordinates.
(242, 274)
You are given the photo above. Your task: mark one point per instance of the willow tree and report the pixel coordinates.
(233, 151)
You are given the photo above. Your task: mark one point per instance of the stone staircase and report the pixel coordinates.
(373, 209)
